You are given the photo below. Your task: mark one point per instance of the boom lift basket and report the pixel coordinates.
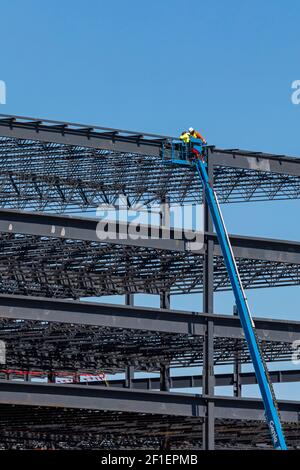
(180, 153)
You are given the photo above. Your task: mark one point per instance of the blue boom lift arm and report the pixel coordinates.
(180, 154)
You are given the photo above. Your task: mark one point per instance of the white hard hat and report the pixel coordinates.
(191, 129)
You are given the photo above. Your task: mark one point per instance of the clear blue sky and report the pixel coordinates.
(224, 67)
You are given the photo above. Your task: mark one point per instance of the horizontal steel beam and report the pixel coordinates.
(160, 403)
(195, 381)
(68, 133)
(267, 249)
(257, 161)
(83, 228)
(141, 318)
(79, 228)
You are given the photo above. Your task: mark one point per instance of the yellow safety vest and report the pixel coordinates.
(185, 137)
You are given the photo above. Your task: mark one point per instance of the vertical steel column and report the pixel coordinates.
(208, 307)
(237, 368)
(51, 377)
(129, 376)
(165, 378)
(165, 382)
(129, 299)
(165, 300)
(129, 372)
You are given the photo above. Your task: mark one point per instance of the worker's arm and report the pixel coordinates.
(199, 136)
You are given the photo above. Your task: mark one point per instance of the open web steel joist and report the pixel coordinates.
(64, 268)
(59, 256)
(75, 416)
(33, 427)
(56, 335)
(137, 401)
(50, 165)
(48, 428)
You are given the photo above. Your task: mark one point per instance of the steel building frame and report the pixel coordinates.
(55, 167)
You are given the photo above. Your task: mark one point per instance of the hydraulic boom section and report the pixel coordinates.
(182, 154)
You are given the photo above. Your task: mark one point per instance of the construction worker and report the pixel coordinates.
(196, 135)
(185, 137)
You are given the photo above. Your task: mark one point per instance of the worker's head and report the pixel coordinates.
(191, 130)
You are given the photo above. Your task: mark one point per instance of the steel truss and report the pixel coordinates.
(24, 427)
(58, 256)
(80, 336)
(55, 347)
(64, 268)
(60, 166)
